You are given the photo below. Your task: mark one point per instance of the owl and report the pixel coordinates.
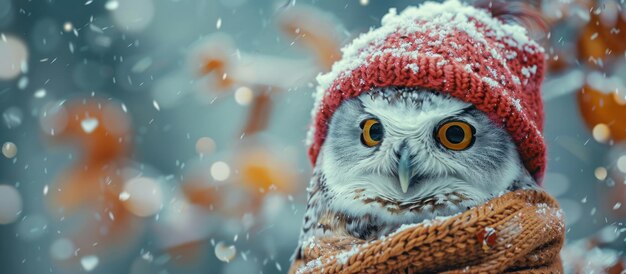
(436, 111)
(400, 155)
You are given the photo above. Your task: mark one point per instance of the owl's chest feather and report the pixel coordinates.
(365, 227)
(324, 219)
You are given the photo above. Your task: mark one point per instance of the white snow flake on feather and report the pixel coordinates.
(448, 17)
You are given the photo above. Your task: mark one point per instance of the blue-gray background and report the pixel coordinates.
(169, 135)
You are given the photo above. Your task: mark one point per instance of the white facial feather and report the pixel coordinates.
(456, 180)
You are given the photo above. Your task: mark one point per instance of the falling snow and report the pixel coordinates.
(167, 136)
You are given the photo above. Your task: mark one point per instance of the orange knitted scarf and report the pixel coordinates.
(521, 232)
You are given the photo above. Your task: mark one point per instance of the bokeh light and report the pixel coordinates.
(89, 124)
(621, 163)
(10, 204)
(9, 150)
(556, 184)
(89, 262)
(133, 16)
(243, 96)
(112, 5)
(12, 117)
(601, 133)
(53, 118)
(205, 146)
(32, 227)
(68, 26)
(225, 253)
(62, 249)
(220, 171)
(572, 211)
(601, 173)
(14, 56)
(145, 196)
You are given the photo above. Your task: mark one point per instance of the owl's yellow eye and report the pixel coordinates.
(456, 135)
(372, 132)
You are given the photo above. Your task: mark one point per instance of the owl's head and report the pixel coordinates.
(415, 149)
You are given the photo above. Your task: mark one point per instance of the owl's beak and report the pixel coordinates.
(404, 170)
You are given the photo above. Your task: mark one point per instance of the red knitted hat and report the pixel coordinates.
(450, 48)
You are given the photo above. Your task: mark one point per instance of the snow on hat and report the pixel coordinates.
(451, 48)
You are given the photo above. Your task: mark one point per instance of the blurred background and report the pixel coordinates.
(167, 136)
